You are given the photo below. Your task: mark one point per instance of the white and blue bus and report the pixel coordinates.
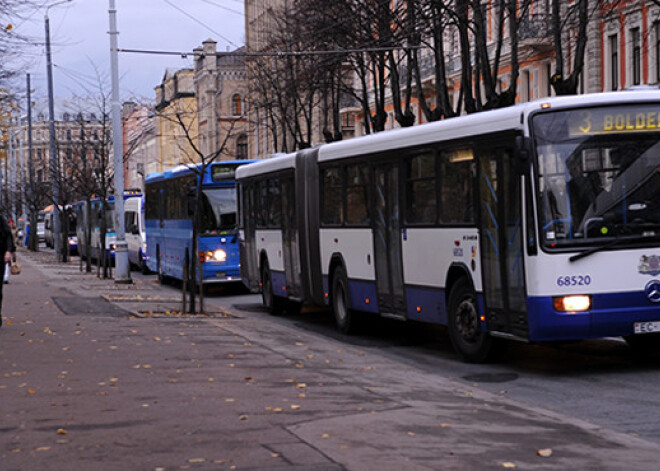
(538, 222)
(169, 206)
(136, 241)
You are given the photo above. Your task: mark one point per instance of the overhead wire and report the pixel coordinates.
(224, 38)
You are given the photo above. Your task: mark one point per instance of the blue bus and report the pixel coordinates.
(169, 200)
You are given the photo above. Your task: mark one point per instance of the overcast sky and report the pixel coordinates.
(80, 41)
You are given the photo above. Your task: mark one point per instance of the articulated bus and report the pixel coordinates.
(538, 222)
(169, 226)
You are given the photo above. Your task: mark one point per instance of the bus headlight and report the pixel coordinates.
(213, 256)
(574, 303)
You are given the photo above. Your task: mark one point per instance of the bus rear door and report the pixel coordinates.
(387, 241)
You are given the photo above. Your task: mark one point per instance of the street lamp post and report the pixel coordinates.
(55, 187)
(122, 271)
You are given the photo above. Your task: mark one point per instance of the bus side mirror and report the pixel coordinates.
(522, 149)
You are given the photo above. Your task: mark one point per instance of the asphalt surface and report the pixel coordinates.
(100, 376)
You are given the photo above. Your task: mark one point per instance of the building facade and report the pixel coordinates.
(622, 50)
(176, 120)
(221, 92)
(140, 142)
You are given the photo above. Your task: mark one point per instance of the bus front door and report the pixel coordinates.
(387, 242)
(500, 218)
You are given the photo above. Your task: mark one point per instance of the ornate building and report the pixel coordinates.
(221, 91)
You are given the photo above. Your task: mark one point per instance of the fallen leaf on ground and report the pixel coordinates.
(544, 452)
(508, 464)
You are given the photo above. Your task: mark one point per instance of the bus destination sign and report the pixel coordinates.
(617, 120)
(222, 172)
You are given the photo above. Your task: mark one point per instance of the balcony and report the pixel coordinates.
(535, 27)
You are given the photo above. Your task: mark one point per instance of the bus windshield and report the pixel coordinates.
(598, 175)
(218, 211)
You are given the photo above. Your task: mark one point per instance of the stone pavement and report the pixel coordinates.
(86, 385)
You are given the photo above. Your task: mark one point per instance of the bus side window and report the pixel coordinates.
(457, 187)
(275, 200)
(332, 210)
(421, 194)
(357, 181)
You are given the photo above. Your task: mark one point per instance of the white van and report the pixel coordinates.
(135, 236)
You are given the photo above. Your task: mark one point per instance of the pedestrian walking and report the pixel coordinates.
(8, 248)
(14, 234)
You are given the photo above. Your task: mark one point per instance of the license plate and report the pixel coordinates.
(647, 327)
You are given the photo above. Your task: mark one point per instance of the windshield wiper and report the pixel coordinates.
(600, 248)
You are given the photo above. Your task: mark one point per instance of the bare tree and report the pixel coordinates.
(12, 42)
(187, 139)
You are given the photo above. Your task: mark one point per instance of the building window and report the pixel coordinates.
(68, 134)
(636, 56)
(242, 147)
(614, 62)
(237, 105)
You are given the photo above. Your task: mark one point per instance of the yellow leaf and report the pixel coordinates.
(301, 386)
(196, 460)
(61, 431)
(31, 391)
(325, 435)
(295, 406)
(508, 464)
(445, 425)
(544, 452)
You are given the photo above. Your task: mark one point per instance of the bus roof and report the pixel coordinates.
(503, 119)
(184, 169)
(270, 164)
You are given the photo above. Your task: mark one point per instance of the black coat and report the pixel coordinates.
(6, 239)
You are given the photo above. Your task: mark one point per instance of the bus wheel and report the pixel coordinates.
(344, 316)
(273, 303)
(470, 342)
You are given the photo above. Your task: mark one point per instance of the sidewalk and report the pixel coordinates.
(86, 385)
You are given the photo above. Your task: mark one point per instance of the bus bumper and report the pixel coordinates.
(612, 315)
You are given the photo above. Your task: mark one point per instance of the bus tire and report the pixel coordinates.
(471, 343)
(345, 317)
(274, 304)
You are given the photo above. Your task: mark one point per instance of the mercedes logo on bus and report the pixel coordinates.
(653, 291)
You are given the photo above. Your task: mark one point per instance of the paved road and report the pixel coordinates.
(86, 385)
